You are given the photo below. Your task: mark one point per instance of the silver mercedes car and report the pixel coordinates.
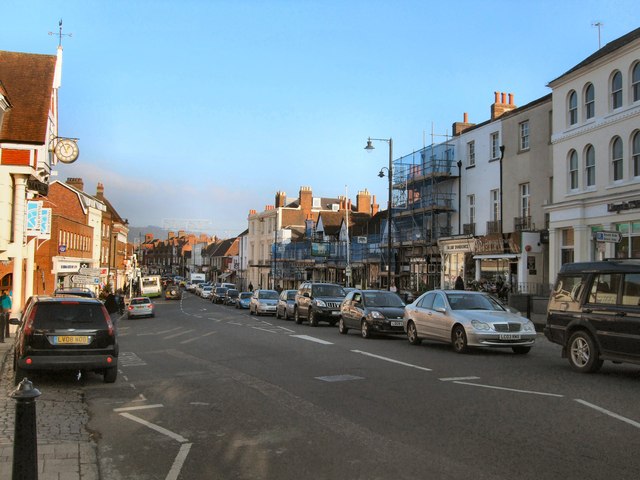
(467, 319)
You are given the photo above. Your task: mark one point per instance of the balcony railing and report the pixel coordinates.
(494, 226)
(522, 223)
(469, 229)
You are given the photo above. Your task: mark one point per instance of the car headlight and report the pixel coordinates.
(377, 315)
(528, 327)
(478, 325)
(319, 303)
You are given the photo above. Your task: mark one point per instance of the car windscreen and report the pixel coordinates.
(328, 291)
(382, 299)
(232, 293)
(246, 295)
(291, 295)
(61, 315)
(461, 301)
(269, 295)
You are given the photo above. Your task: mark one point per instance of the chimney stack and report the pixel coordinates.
(306, 199)
(281, 199)
(100, 191)
(76, 183)
(458, 127)
(500, 106)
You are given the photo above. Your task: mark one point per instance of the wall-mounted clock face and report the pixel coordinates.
(67, 150)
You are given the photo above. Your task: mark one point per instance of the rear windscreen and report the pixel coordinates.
(69, 315)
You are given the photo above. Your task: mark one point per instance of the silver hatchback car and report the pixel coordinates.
(467, 319)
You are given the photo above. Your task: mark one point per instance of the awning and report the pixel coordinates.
(224, 275)
(496, 256)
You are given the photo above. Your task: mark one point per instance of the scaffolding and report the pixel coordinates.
(424, 203)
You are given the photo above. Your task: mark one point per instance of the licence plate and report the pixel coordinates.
(506, 336)
(71, 340)
(396, 324)
(335, 313)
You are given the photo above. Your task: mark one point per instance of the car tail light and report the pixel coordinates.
(107, 318)
(28, 327)
(130, 307)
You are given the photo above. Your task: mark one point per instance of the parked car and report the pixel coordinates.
(467, 319)
(372, 311)
(594, 313)
(263, 302)
(286, 304)
(206, 292)
(65, 333)
(140, 307)
(231, 296)
(318, 301)
(218, 294)
(244, 300)
(173, 292)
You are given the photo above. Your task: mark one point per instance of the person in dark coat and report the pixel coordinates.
(459, 283)
(111, 304)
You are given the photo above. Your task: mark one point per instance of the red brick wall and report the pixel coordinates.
(65, 203)
(16, 157)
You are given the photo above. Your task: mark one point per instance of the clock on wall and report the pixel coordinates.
(66, 150)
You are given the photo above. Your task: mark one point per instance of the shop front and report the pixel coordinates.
(67, 273)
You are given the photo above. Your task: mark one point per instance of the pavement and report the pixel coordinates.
(66, 450)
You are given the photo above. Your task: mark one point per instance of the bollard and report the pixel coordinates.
(25, 443)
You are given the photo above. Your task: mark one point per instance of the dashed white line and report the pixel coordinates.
(179, 334)
(312, 339)
(509, 389)
(264, 329)
(386, 359)
(633, 423)
(452, 379)
(140, 407)
(196, 338)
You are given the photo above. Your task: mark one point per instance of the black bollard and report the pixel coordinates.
(25, 443)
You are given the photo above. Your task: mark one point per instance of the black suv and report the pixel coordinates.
(65, 333)
(594, 313)
(318, 301)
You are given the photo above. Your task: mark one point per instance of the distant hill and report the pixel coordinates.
(136, 234)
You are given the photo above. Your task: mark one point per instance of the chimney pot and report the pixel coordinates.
(466, 117)
(511, 99)
(504, 98)
(497, 94)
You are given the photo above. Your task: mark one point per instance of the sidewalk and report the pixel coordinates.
(65, 448)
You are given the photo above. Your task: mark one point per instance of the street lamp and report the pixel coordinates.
(389, 169)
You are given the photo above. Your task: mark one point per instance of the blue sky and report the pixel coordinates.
(204, 109)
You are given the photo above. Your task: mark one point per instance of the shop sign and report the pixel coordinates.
(609, 237)
(67, 267)
(618, 207)
(456, 247)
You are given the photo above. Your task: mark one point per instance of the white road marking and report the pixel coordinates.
(265, 329)
(196, 338)
(509, 389)
(236, 323)
(312, 339)
(267, 323)
(386, 359)
(179, 334)
(168, 331)
(287, 329)
(179, 461)
(155, 427)
(633, 423)
(141, 407)
(451, 379)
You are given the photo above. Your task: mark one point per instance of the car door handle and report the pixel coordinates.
(621, 314)
(587, 310)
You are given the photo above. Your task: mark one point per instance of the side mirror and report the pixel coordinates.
(15, 321)
(306, 294)
(441, 310)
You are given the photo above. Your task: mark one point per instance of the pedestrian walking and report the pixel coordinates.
(250, 287)
(5, 304)
(459, 283)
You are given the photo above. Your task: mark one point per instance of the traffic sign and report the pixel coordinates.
(85, 279)
(92, 272)
(611, 237)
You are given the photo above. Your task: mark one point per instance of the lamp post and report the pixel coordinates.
(370, 147)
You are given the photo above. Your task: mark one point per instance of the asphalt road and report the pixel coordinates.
(209, 392)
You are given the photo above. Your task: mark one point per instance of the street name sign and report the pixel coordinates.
(92, 272)
(85, 279)
(611, 237)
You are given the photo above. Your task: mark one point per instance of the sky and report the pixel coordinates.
(194, 110)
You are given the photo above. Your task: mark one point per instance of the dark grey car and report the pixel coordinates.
(372, 311)
(286, 304)
(318, 301)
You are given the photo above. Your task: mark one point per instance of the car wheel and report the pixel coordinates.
(521, 350)
(313, 320)
(285, 314)
(110, 374)
(364, 329)
(459, 339)
(583, 353)
(342, 328)
(412, 334)
(296, 316)
(277, 313)
(332, 323)
(250, 310)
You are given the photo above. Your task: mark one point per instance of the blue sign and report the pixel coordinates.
(62, 248)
